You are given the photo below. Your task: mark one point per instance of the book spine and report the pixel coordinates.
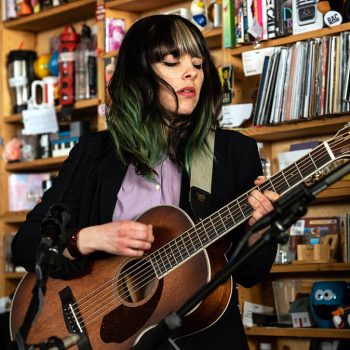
(228, 24)
(271, 18)
(287, 17)
(240, 25)
(279, 18)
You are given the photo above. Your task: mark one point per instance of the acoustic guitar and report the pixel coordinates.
(118, 299)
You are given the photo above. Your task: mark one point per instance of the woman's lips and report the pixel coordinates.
(187, 92)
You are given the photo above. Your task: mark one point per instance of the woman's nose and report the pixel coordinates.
(190, 72)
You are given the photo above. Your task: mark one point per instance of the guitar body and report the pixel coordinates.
(108, 303)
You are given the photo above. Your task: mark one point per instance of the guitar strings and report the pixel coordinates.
(143, 262)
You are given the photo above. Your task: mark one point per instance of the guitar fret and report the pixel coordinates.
(160, 260)
(179, 249)
(244, 209)
(155, 266)
(164, 255)
(223, 223)
(198, 240)
(305, 167)
(215, 231)
(239, 214)
(227, 219)
(205, 238)
(245, 206)
(312, 161)
(263, 187)
(281, 183)
(171, 257)
(233, 220)
(272, 186)
(193, 247)
(294, 174)
(286, 182)
(320, 161)
(240, 210)
(185, 246)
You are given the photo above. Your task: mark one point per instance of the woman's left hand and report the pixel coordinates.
(262, 204)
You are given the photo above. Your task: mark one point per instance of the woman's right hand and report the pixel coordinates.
(127, 238)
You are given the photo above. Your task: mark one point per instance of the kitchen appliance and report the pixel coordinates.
(20, 77)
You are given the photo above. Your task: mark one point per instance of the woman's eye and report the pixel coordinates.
(170, 64)
(198, 65)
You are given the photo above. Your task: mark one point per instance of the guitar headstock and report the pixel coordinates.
(340, 143)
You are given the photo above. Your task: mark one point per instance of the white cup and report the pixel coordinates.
(46, 89)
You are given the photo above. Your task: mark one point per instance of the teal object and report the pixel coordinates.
(325, 297)
(53, 64)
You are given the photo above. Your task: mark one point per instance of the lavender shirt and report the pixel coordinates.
(138, 194)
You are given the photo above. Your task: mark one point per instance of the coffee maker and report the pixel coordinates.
(20, 76)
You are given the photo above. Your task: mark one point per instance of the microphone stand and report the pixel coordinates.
(48, 256)
(288, 209)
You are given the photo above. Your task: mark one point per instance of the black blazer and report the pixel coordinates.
(92, 202)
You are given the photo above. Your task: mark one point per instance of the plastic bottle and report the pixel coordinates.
(85, 66)
(265, 161)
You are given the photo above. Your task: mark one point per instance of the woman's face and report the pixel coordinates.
(185, 75)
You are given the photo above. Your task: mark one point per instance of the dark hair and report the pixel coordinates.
(136, 119)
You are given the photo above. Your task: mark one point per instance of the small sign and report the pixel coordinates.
(333, 18)
(253, 61)
(39, 121)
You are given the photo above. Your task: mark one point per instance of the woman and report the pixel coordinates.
(165, 98)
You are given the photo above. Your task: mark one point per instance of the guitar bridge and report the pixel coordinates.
(72, 318)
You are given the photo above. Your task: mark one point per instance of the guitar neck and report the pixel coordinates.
(236, 212)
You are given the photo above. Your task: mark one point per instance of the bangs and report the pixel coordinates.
(177, 40)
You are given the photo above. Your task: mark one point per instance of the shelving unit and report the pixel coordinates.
(86, 106)
(298, 333)
(334, 200)
(290, 39)
(32, 32)
(72, 12)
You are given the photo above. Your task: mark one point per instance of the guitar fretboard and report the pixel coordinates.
(233, 214)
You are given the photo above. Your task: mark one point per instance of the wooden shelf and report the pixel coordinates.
(139, 6)
(299, 332)
(36, 165)
(291, 39)
(213, 38)
(296, 129)
(78, 106)
(340, 189)
(316, 267)
(15, 217)
(54, 17)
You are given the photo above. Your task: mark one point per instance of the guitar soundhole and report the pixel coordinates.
(136, 282)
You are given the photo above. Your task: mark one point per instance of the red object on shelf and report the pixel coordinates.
(23, 8)
(69, 41)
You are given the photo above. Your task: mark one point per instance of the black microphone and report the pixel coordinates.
(67, 342)
(300, 193)
(53, 237)
(286, 201)
(331, 178)
(157, 338)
